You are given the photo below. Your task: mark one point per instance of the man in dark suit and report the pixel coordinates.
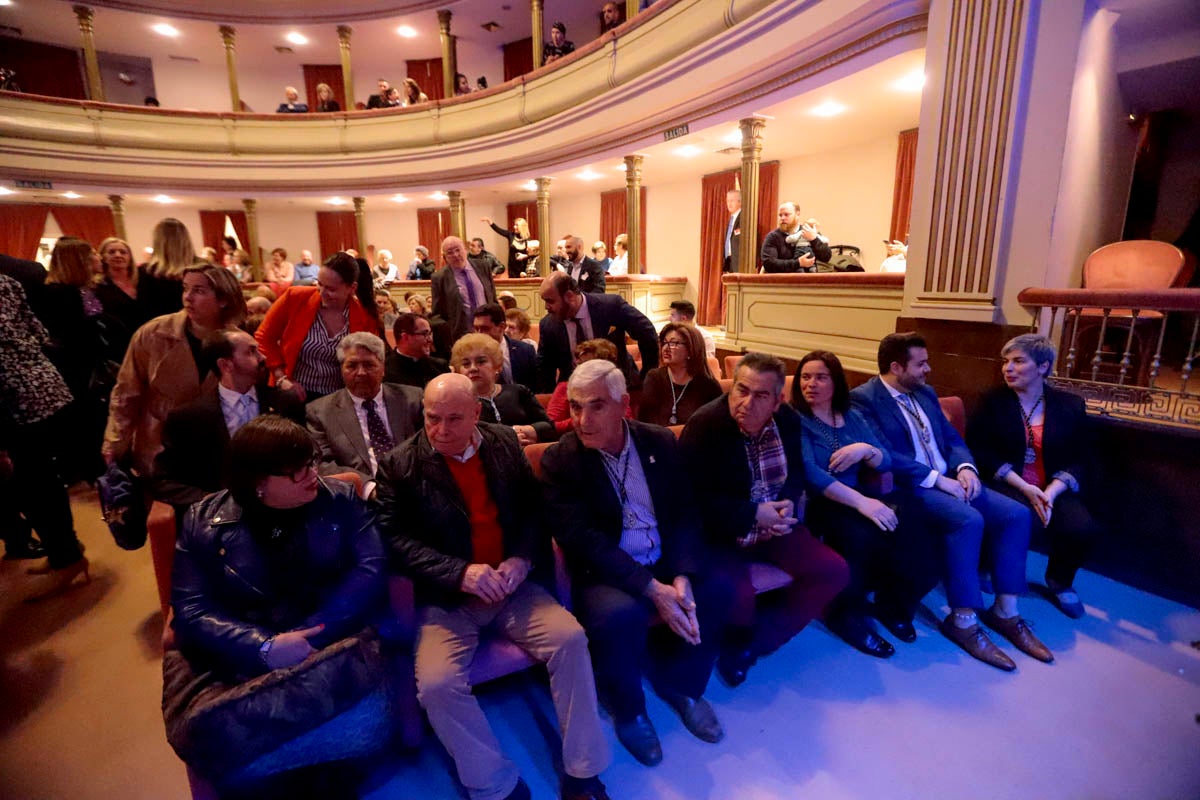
(733, 230)
(793, 246)
(930, 458)
(622, 503)
(459, 288)
(195, 436)
(379, 100)
(520, 359)
(573, 316)
(355, 426)
(411, 363)
(587, 271)
(30, 274)
(461, 512)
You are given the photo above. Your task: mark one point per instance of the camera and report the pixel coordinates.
(482, 82)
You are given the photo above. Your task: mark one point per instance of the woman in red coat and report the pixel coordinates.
(300, 334)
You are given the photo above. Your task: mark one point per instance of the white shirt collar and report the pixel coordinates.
(358, 402)
(472, 448)
(230, 397)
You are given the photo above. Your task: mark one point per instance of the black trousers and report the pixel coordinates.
(1069, 536)
(900, 566)
(623, 641)
(37, 489)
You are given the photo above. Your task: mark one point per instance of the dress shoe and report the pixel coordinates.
(20, 551)
(58, 581)
(697, 715)
(46, 569)
(1064, 599)
(902, 629)
(733, 665)
(571, 788)
(640, 739)
(519, 792)
(976, 643)
(858, 632)
(1017, 631)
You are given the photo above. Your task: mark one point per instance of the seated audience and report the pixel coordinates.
(411, 363)
(283, 568)
(422, 266)
(620, 261)
(530, 259)
(416, 303)
(517, 326)
(305, 271)
(258, 304)
(483, 569)
(385, 271)
(209, 255)
(520, 359)
(279, 270)
(685, 311)
(413, 93)
(558, 46)
(673, 391)
(558, 409)
(196, 436)
(291, 103)
(574, 316)
(462, 84)
(478, 255)
(793, 246)
(325, 101)
(478, 356)
(745, 463)
(624, 516)
(600, 256)
(301, 332)
(930, 459)
(392, 98)
(163, 368)
(386, 307)
(887, 545)
(379, 100)
(897, 257)
(1033, 444)
(355, 426)
(507, 301)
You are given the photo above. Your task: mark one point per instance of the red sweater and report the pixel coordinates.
(487, 538)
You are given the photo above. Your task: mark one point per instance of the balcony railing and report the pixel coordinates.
(1129, 354)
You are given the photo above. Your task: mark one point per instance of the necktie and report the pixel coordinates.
(381, 442)
(923, 433)
(580, 336)
(243, 412)
(729, 238)
(472, 297)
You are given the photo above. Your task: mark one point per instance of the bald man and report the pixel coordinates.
(459, 288)
(479, 570)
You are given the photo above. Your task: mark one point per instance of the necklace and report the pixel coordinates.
(830, 432)
(1030, 453)
(675, 399)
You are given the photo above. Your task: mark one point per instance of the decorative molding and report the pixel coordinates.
(1160, 407)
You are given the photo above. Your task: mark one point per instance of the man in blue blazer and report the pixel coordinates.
(930, 458)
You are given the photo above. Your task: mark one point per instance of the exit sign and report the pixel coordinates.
(675, 133)
(34, 184)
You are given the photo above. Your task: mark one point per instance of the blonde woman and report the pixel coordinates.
(518, 239)
(160, 279)
(117, 291)
(478, 356)
(325, 101)
(413, 93)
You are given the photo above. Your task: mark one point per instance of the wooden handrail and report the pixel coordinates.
(818, 279)
(1145, 299)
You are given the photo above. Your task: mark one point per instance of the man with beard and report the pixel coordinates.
(793, 247)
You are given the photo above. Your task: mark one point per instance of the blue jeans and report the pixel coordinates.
(991, 520)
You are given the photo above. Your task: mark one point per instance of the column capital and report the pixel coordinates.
(250, 205)
(543, 186)
(344, 32)
(360, 204)
(85, 15)
(117, 203)
(751, 128)
(228, 35)
(633, 168)
(444, 15)
(116, 200)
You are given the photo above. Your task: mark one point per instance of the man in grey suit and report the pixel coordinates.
(355, 426)
(733, 231)
(459, 288)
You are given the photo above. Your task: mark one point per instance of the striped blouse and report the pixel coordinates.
(317, 367)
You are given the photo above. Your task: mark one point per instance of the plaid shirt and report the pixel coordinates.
(768, 469)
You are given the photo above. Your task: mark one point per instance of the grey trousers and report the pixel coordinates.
(536, 622)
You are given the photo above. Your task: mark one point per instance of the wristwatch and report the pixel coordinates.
(265, 648)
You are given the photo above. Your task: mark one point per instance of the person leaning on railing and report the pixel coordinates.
(1031, 443)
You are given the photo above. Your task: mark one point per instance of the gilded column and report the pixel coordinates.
(87, 34)
(251, 207)
(449, 56)
(543, 218)
(458, 216)
(631, 9)
(535, 11)
(117, 203)
(633, 213)
(360, 222)
(343, 32)
(228, 36)
(752, 142)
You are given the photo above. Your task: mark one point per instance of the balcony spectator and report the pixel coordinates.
(413, 93)
(518, 239)
(558, 46)
(461, 84)
(305, 273)
(391, 98)
(280, 270)
(478, 254)
(386, 270)
(897, 258)
(379, 100)
(611, 15)
(600, 254)
(292, 105)
(325, 101)
(620, 262)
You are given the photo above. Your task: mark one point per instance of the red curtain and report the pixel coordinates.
(23, 227)
(338, 230)
(91, 223)
(518, 58)
(433, 225)
(427, 72)
(768, 202)
(212, 228)
(714, 218)
(906, 162)
(44, 68)
(613, 221)
(325, 73)
(527, 210)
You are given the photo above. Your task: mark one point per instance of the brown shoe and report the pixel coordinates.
(976, 643)
(1017, 631)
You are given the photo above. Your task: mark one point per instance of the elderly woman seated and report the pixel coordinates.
(274, 582)
(558, 409)
(1031, 442)
(478, 356)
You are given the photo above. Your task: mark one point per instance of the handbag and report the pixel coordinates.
(123, 505)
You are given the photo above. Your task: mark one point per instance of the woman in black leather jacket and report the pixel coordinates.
(273, 581)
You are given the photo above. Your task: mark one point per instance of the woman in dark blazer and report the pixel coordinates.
(1030, 441)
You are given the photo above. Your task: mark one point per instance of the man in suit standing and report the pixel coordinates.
(587, 272)
(520, 359)
(459, 288)
(355, 426)
(573, 316)
(621, 499)
(930, 458)
(195, 436)
(411, 363)
(733, 230)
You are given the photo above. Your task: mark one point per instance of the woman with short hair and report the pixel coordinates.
(478, 356)
(558, 408)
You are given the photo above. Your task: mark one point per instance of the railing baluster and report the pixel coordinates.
(1156, 362)
(1127, 356)
(1100, 344)
(1191, 356)
(1074, 334)
(1053, 332)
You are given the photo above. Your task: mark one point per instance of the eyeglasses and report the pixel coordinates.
(299, 474)
(673, 343)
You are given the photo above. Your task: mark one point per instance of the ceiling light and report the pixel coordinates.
(407, 31)
(5, 190)
(621, 167)
(529, 186)
(297, 38)
(912, 82)
(71, 195)
(588, 175)
(688, 151)
(399, 198)
(163, 198)
(735, 137)
(5, 2)
(439, 196)
(337, 201)
(829, 108)
(163, 29)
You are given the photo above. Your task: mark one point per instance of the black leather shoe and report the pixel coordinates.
(582, 789)
(640, 739)
(902, 629)
(733, 665)
(30, 548)
(858, 632)
(698, 717)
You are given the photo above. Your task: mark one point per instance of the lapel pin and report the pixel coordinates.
(651, 459)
